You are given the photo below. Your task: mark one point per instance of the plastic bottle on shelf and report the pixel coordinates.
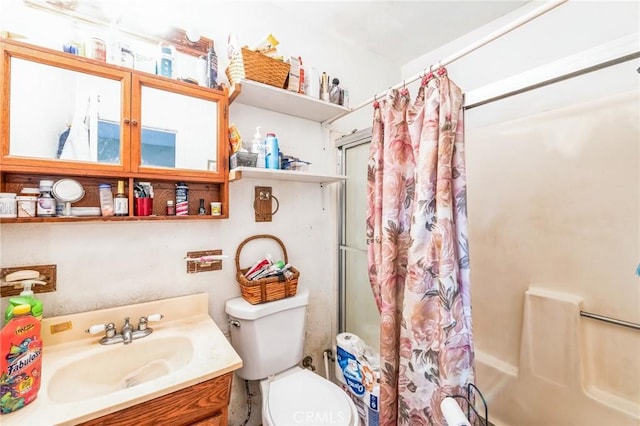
(165, 65)
(324, 87)
(46, 206)
(272, 157)
(301, 88)
(258, 147)
(106, 199)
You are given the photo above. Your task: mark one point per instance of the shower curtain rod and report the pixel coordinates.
(461, 53)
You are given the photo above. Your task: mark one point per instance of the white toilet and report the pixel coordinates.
(269, 337)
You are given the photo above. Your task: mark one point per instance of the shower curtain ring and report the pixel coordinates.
(404, 91)
(442, 71)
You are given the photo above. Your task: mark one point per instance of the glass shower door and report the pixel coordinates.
(358, 313)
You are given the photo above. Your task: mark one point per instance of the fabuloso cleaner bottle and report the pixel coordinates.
(21, 362)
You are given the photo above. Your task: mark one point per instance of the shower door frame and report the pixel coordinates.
(352, 140)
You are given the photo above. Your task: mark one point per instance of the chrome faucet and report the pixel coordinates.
(127, 333)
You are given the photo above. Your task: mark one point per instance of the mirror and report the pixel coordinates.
(54, 112)
(178, 131)
(58, 113)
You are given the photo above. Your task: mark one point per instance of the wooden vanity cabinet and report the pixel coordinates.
(201, 404)
(141, 128)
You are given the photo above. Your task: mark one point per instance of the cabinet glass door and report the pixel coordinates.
(56, 113)
(179, 129)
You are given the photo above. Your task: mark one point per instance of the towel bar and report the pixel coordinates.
(610, 320)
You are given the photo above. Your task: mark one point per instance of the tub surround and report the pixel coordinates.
(553, 371)
(185, 317)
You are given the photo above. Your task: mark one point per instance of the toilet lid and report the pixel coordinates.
(305, 398)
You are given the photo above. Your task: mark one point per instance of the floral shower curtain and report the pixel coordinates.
(417, 250)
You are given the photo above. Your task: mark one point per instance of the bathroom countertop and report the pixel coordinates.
(185, 321)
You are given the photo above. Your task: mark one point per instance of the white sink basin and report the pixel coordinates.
(119, 367)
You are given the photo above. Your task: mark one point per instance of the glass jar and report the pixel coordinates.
(171, 208)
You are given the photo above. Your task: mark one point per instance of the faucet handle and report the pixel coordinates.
(142, 322)
(154, 317)
(95, 329)
(110, 328)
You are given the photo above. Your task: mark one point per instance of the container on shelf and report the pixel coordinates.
(46, 206)
(106, 199)
(247, 159)
(255, 66)
(27, 201)
(216, 208)
(171, 208)
(182, 199)
(121, 201)
(272, 158)
(8, 206)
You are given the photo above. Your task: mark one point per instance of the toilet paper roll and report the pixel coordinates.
(350, 343)
(452, 413)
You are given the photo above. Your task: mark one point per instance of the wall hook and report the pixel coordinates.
(262, 204)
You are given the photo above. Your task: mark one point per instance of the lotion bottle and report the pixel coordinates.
(258, 147)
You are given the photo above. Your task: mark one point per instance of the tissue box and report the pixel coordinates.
(246, 159)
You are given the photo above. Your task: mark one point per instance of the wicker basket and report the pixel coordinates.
(257, 67)
(265, 289)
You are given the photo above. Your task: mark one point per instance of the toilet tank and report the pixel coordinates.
(269, 337)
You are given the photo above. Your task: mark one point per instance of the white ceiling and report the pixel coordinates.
(401, 30)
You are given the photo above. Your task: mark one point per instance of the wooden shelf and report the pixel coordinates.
(293, 176)
(60, 219)
(260, 95)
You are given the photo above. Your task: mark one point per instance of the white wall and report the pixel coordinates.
(110, 264)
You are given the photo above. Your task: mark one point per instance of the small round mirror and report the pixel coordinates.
(68, 191)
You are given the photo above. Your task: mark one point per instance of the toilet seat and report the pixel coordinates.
(301, 397)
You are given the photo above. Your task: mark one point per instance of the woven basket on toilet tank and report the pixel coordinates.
(270, 288)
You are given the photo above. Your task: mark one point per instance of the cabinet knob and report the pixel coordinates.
(126, 121)
(134, 122)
